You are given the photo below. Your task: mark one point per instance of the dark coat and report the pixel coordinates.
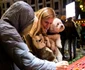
(70, 30)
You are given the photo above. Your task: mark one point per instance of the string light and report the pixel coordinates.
(82, 5)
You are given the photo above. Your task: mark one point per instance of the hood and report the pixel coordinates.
(20, 15)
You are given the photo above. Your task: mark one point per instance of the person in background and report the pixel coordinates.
(71, 37)
(13, 49)
(63, 18)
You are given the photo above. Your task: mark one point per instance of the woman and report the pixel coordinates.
(12, 48)
(44, 19)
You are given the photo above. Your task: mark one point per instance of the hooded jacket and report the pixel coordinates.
(12, 47)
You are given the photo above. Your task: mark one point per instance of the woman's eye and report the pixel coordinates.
(46, 22)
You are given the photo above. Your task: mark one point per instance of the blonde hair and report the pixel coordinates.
(41, 14)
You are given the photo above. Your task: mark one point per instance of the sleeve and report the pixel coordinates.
(19, 52)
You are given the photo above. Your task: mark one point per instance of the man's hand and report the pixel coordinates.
(62, 65)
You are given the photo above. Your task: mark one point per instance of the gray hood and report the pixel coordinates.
(20, 15)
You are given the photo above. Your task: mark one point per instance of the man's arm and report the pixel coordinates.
(19, 52)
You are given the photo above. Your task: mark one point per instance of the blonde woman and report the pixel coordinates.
(43, 20)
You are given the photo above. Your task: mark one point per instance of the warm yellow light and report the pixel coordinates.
(81, 6)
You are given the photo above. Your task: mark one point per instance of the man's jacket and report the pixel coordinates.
(12, 47)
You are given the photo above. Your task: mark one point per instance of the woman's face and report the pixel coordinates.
(46, 23)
